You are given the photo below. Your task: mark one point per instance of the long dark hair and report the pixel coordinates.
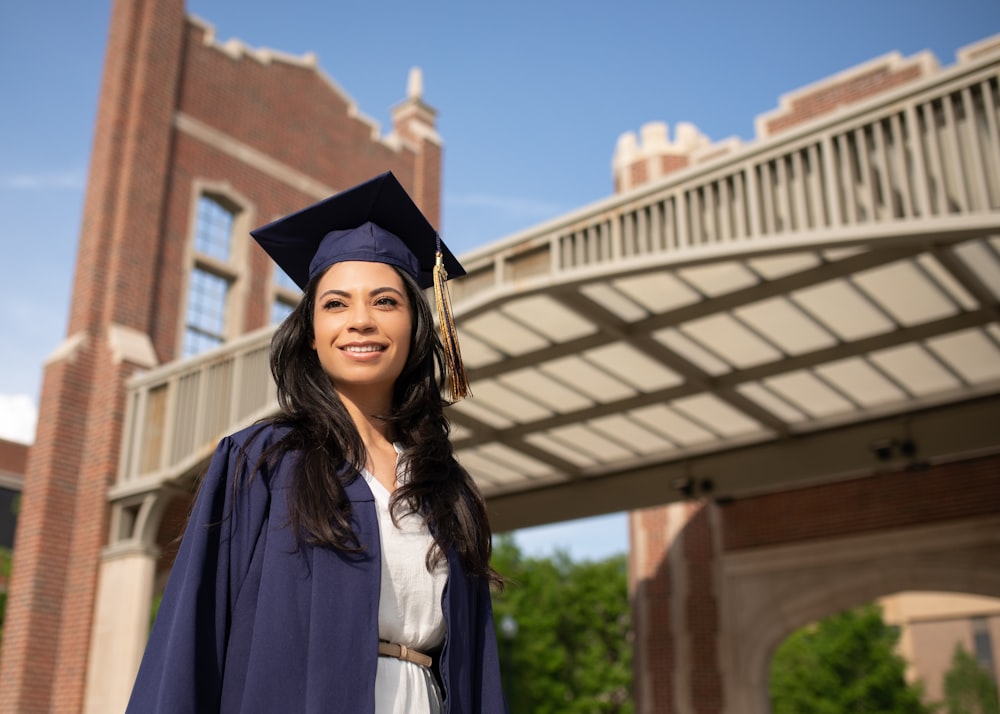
(332, 451)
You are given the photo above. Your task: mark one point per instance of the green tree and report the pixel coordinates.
(572, 653)
(844, 663)
(5, 557)
(968, 688)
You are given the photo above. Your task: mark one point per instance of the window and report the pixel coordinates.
(286, 296)
(214, 229)
(206, 312)
(982, 644)
(206, 319)
(280, 310)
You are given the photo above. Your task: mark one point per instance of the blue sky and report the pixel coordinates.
(532, 97)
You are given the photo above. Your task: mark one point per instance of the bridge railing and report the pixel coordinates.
(176, 413)
(926, 150)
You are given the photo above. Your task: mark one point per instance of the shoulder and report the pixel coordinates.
(258, 436)
(247, 450)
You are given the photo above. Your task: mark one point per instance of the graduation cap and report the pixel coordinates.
(374, 222)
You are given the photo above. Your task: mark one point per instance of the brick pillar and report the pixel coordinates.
(672, 560)
(63, 521)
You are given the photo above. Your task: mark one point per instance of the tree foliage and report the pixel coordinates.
(844, 663)
(968, 688)
(5, 558)
(573, 649)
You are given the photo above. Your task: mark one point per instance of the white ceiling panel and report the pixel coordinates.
(861, 382)
(970, 353)
(778, 266)
(982, 260)
(458, 431)
(514, 460)
(614, 301)
(691, 351)
(784, 324)
(843, 309)
(553, 394)
(718, 278)
(947, 282)
(730, 340)
(596, 383)
(768, 400)
(496, 477)
(476, 409)
(560, 450)
(631, 434)
(476, 353)
(915, 369)
(484, 470)
(716, 415)
(502, 333)
(493, 395)
(548, 317)
(590, 442)
(633, 367)
(657, 292)
(672, 425)
(809, 394)
(905, 293)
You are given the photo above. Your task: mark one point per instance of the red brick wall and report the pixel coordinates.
(702, 611)
(963, 489)
(834, 95)
(131, 272)
(651, 584)
(13, 457)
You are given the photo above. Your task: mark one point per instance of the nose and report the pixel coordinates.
(360, 318)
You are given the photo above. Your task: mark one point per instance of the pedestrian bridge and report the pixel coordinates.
(805, 307)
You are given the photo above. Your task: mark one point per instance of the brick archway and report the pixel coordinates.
(718, 586)
(771, 592)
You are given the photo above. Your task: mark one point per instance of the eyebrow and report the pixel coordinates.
(372, 293)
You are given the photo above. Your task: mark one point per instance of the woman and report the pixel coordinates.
(337, 557)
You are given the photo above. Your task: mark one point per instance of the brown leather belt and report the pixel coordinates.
(391, 649)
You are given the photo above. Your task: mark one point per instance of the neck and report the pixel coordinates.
(365, 413)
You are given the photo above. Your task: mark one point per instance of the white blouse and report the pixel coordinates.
(409, 611)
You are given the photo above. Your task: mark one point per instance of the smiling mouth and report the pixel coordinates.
(360, 349)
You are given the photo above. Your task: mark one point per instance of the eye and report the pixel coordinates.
(386, 301)
(333, 304)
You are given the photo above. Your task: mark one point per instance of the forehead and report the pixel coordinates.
(354, 275)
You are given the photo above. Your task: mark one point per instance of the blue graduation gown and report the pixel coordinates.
(250, 622)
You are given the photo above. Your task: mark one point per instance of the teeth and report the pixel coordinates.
(363, 348)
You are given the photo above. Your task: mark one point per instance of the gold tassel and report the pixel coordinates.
(458, 381)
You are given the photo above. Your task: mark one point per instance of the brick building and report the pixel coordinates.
(13, 459)
(195, 143)
(198, 141)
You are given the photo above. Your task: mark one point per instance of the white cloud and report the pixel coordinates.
(18, 416)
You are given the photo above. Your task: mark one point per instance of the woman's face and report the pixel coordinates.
(362, 320)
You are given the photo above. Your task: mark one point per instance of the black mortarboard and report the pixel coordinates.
(375, 222)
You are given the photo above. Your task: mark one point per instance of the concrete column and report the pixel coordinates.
(120, 625)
